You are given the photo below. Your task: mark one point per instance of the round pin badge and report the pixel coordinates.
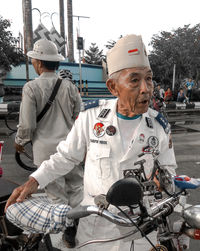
(141, 138)
(98, 130)
(153, 141)
(111, 130)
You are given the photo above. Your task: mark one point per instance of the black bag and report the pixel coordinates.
(39, 117)
(50, 101)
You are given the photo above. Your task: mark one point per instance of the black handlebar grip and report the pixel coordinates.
(78, 212)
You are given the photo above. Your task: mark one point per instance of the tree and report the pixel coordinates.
(94, 55)
(9, 53)
(180, 47)
(110, 44)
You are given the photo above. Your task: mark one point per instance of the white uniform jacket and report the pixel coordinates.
(104, 158)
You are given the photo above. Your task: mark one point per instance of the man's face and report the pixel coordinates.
(134, 88)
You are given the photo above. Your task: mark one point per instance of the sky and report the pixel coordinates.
(108, 19)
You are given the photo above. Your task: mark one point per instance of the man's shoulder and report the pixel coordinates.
(30, 86)
(67, 82)
(31, 83)
(95, 104)
(160, 119)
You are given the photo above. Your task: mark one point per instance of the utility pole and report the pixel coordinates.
(62, 23)
(80, 47)
(28, 30)
(70, 31)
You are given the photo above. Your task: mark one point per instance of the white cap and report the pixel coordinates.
(46, 50)
(128, 52)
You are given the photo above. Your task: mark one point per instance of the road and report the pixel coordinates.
(187, 151)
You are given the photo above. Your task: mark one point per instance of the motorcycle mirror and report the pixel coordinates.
(124, 192)
(192, 216)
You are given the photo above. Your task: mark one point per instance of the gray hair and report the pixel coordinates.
(115, 75)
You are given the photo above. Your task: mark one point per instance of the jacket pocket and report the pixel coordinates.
(100, 154)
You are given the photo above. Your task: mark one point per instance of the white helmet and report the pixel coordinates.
(65, 74)
(46, 50)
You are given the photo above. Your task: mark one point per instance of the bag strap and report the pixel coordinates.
(50, 101)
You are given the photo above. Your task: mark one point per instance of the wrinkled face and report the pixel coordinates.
(134, 88)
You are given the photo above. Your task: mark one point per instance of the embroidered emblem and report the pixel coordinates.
(111, 130)
(104, 113)
(147, 149)
(141, 138)
(98, 141)
(89, 104)
(133, 52)
(98, 130)
(149, 122)
(153, 141)
(163, 122)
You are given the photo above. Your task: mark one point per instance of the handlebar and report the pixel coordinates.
(145, 216)
(163, 207)
(83, 211)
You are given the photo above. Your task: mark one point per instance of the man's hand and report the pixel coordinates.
(22, 192)
(156, 181)
(19, 148)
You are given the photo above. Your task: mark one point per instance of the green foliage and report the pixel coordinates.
(180, 47)
(94, 55)
(9, 54)
(110, 44)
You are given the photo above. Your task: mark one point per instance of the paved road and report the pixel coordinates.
(187, 150)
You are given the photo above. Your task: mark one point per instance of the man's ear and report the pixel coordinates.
(112, 87)
(40, 63)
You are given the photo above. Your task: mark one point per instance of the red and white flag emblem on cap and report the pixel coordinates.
(133, 52)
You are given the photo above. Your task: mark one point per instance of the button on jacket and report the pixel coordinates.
(105, 161)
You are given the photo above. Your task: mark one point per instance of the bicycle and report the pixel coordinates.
(25, 159)
(12, 117)
(12, 238)
(147, 209)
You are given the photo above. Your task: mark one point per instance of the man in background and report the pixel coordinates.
(189, 87)
(55, 124)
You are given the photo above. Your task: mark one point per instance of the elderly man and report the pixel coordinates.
(109, 134)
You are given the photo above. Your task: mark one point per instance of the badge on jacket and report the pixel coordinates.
(141, 137)
(153, 141)
(111, 130)
(99, 130)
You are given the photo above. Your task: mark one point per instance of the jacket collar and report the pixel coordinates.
(48, 75)
(112, 105)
